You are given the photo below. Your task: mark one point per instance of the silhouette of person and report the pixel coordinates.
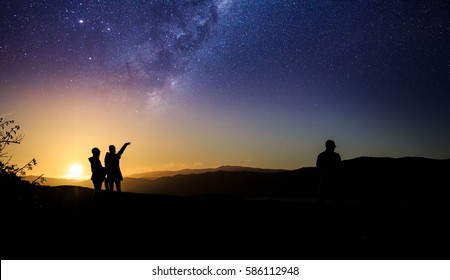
(98, 171)
(114, 175)
(329, 164)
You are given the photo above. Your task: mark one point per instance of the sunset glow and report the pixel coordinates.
(75, 172)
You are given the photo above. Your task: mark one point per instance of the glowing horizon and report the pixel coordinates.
(63, 134)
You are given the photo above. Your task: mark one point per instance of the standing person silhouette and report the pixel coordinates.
(114, 175)
(329, 164)
(98, 171)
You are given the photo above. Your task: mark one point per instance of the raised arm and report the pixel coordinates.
(123, 148)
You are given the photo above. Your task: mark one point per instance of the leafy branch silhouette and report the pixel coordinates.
(17, 193)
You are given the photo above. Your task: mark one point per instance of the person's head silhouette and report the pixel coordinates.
(112, 149)
(95, 152)
(330, 145)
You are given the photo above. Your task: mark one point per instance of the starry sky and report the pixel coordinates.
(199, 84)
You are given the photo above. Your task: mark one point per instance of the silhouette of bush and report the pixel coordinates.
(16, 192)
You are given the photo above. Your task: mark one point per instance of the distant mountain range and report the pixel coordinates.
(60, 181)
(366, 176)
(136, 181)
(228, 168)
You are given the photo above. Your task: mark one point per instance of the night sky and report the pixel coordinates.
(196, 84)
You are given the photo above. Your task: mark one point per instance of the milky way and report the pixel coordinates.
(139, 46)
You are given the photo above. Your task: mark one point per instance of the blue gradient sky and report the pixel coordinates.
(195, 84)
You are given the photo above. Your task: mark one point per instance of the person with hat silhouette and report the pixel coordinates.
(98, 171)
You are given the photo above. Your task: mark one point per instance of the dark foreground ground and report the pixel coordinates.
(67, 223)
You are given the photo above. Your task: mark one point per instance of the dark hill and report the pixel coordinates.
(409, 176)
(159, 174)
(381, 217)
(360, 177)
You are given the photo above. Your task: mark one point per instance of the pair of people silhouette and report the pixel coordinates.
(110, 174)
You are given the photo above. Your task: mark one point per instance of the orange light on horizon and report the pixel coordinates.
(75, 172)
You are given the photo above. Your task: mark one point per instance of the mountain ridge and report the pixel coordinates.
(167, 173)
(362, 176)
